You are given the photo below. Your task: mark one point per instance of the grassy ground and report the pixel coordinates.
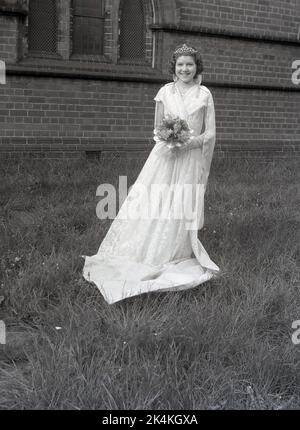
(224, 345)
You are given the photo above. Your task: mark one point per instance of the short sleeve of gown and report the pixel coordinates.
(160, 95)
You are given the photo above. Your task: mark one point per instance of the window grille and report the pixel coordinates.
(132, 30)
(88, 27)
(42, 26)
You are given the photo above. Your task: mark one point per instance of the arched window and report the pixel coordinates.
(88, 27)
(132, 30)
(42, 26)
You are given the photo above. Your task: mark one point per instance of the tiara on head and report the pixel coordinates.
(185, 50)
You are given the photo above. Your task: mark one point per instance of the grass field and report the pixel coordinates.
(224, 345)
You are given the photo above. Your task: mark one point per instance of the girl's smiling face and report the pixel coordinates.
(186, 68)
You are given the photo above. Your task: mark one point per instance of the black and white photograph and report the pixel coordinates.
(149, 207)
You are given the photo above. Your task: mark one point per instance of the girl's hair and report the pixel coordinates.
(196, 56)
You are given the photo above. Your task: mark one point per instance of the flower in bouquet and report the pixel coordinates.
(174, 131)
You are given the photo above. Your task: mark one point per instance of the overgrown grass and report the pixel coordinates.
(224, 345)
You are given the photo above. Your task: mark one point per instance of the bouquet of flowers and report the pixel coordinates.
(174, 131)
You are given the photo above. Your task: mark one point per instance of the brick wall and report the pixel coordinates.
(64, 107)
(267, 17)
(71, 115)
(75, 108)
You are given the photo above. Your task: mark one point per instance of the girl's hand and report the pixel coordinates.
(180, 149)
(162, 150)
(195, 142)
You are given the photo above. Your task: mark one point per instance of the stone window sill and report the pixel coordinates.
(92, 68)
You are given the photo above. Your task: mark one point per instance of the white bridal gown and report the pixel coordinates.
(142, 254)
